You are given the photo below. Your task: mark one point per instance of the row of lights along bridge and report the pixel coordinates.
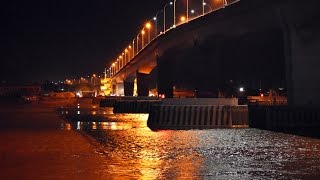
(138, 43)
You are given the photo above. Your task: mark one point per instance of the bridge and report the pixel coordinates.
(250, 44)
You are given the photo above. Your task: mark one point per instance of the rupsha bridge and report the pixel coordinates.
(220, 45)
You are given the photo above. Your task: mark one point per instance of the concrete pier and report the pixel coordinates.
(197, 117)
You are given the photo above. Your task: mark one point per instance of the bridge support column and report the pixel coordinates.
(128, 88)
(119, 88)
(164, 79)
(302, 51)
(142, 84)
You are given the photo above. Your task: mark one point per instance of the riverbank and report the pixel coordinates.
(37, 144)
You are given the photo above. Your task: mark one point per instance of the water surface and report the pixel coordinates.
(132, 150)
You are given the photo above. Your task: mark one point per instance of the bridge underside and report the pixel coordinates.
(220, 65)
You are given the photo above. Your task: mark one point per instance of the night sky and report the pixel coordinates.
(57, 39)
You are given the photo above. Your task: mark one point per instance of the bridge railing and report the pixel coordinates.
(145, 37)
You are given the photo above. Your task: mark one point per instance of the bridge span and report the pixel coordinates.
(257, 44)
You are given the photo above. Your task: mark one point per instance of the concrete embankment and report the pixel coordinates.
(295, 120)
(190, 113)
(143, 104)
(197, 116)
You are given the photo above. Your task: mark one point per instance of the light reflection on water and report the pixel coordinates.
(133, 151)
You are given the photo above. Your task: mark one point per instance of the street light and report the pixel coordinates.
(93, 79)
(129, 54)
(125, 56)
(142, 41)
(164, 17)
(132, 48)
(113, 68)
(123, 59)
(148, 26)
(155, 19)
(174, 13)
(203, 6)
(187, 10)
(138, 43)
(156, 25)
(119, 60)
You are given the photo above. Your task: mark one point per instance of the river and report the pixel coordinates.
(133, 151)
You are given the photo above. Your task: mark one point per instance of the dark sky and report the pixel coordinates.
(56, 39)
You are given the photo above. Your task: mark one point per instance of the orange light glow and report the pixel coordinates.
(143, 32)
(182, 18)
(129, 47)
(148, 25)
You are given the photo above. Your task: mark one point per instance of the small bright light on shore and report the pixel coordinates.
(154, 18)
(241, 89)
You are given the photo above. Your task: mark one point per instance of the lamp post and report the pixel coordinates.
(174, 13)
(94, 79)
(113, 68)
(118, 65)
(155, 19)
(203, 4)
(142, 39)
(123, 59)
(119, 60)
(187, 10)
(164, 16)
(125, 56)
(129, 53)
(156, 25)
(148, 26)
(137, 43)
(203, 7)
(132, 48)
